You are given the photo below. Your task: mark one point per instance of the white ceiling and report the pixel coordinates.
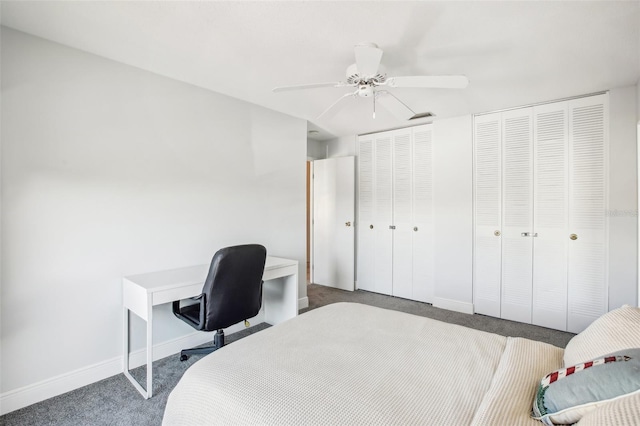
(513, 53)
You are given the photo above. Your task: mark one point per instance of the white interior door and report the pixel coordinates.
(333, 222)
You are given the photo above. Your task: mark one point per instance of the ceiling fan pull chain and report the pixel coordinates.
(374, 105)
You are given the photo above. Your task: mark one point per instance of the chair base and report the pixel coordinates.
(218, 342)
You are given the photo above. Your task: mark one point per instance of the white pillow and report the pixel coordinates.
(612, 332)
(621, 412)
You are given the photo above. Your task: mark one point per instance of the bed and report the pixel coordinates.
(349, 363)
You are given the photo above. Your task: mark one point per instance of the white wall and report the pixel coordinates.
(623, 197)
(453, 213)
(108, 170)
(638, 165)
(316, 150)
(339, 147)
(638, 101)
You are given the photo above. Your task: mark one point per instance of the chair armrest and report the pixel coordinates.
(177, 311)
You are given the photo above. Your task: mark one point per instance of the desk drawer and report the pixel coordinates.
(167, 296)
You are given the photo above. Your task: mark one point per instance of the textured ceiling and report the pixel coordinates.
(513, 53)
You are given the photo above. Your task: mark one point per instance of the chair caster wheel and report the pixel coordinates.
(184, 357)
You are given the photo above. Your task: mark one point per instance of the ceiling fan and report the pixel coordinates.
(370, 80)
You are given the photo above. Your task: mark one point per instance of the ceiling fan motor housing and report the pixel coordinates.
(354, 78)
(365, 90)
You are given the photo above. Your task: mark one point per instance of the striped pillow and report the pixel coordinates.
(565, 395)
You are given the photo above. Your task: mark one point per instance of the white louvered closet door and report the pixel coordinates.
(517, 214)
(487, 263)
(422, 230)
(365, 259)
(587, 274)
(402, 215)
(383, 213)
(550, 215)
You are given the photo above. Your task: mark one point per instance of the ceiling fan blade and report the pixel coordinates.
(310, 86)
(368, 58)
(394, 105)
(332, 110)
(430, 81)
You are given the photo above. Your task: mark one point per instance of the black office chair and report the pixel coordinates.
(232, 293)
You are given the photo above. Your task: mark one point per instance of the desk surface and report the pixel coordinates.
(180, 277)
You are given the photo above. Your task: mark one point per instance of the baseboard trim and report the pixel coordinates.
(31, 394)
(303, 303)
(453, 305)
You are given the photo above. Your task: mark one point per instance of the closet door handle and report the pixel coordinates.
(525, 234)
(496, 233)
(392, 227)
(573, 237)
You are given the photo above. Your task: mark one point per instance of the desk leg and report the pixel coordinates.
(280, 297)
(125, 345)
(150, 351)
(125, 340)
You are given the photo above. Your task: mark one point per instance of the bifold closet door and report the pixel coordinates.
(375, 204)
(383, 213)
(402, 215)
(422, 230)
(365, 260)
(413, 214)
(587, 241)
(517, 214)
(487, 253)
(550, 215)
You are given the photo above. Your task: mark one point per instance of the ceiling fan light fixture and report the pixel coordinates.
(365, 90)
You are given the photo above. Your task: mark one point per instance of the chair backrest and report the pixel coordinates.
(233, 288)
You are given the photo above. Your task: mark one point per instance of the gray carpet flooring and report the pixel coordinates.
(114, 401)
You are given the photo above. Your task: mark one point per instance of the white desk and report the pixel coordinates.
(140, 293)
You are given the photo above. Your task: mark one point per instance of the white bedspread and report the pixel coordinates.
(356, 364)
